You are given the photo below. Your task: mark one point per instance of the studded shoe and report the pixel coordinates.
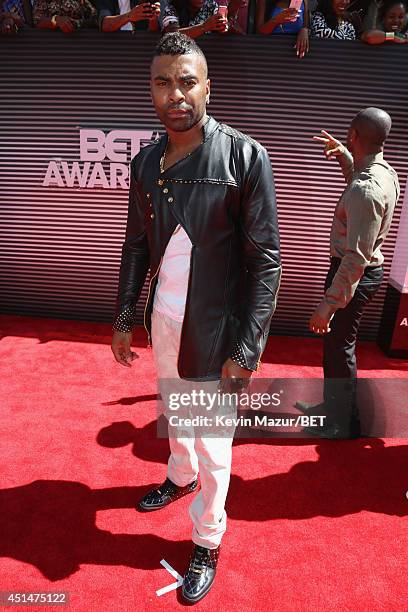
(200, 574)
(164, 494)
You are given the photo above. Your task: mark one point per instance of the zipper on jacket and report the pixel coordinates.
(149, 340)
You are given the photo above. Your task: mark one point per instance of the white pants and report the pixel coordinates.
(208, 455)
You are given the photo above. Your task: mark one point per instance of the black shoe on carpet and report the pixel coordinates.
(334, 431)
(164, 494)
(200, 574)
(311, 409)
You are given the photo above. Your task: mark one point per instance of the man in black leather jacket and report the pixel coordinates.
(202, 217)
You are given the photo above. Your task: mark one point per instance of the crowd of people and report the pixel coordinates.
(373, 21)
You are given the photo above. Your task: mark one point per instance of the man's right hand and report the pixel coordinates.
(121, 342)
(332, 146)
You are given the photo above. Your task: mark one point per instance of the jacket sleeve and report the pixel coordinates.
(261, 257)
(346, 163)
(135, 259)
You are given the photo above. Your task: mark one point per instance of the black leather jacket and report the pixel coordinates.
(223, 196)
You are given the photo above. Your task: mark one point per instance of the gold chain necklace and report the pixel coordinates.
(163, 157)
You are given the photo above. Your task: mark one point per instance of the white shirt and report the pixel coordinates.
(172, 284)
(124, 7)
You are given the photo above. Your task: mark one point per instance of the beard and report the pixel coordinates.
(182, 123)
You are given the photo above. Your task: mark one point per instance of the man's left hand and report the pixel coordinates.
(234, 377)
(320, 319)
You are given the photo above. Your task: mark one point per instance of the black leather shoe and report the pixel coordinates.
(200, 574)
(311, 409)
(334, 431)
(164, 494)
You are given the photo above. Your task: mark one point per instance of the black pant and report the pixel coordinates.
(339, 357)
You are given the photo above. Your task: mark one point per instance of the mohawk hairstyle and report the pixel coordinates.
(176, 43)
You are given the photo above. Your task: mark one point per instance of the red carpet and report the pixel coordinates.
(312, 526)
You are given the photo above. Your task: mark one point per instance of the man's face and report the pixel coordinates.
(179, 89)
(394, 20)
(340, 7)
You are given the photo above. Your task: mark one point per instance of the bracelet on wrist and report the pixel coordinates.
(389, 35)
